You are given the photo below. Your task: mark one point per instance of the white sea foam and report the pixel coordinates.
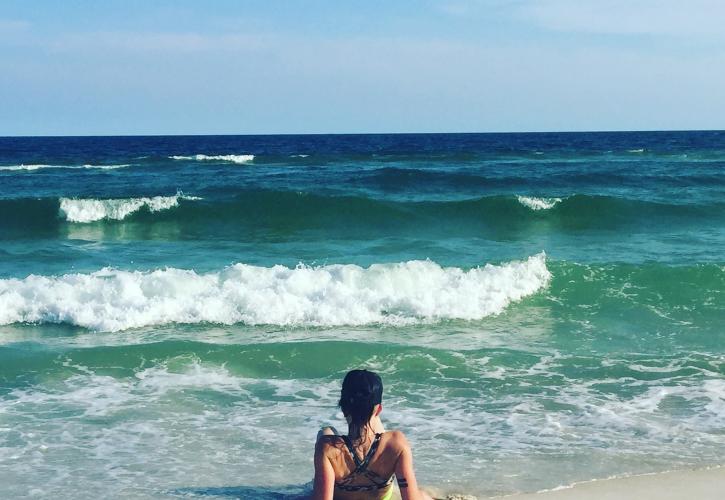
(538, 203)
(230, 158)
(156, 413)
(101, 395)
(90, 210)
(641, 150)
(43, 166)
(403, 293)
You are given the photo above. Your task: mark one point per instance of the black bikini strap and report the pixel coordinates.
(371, 452)
(348, 443)
(361, 465)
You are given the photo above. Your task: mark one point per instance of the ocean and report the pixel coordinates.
(177, 313)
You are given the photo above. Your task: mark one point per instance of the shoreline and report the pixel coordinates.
(703, 484)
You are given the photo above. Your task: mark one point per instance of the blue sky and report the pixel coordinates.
(243, 67)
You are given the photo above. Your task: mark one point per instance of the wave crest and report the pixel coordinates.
(33, 167)
(91, 210)
(230, 158)
(538, 203)
(401, 293)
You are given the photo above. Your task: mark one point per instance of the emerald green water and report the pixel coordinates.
(543, 309)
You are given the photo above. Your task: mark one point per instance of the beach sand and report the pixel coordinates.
(702, 484)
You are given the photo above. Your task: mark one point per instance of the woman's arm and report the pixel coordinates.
(404, 471)
(324, 484)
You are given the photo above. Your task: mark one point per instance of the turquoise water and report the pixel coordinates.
(176, 313)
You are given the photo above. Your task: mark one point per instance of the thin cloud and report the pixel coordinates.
(13, 26)
(159, 42)
(698, 18)
(8, 24)
(463, 8)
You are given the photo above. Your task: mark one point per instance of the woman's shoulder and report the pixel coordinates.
(395, 439)
(330, 440)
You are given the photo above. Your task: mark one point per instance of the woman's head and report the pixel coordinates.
(362, 392)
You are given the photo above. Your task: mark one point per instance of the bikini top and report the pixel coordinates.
(375, 481)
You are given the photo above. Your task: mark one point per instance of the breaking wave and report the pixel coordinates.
(538, 203)
(90, 210)
(347, 216)
(229, 158)
(400, 293)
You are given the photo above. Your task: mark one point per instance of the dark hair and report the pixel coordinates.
(361, 391)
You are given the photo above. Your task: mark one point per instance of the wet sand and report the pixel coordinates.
(702, 484)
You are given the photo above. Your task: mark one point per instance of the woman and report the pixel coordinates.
(362, 464)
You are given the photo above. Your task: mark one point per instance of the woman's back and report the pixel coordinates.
(365, 471)
(361, 465)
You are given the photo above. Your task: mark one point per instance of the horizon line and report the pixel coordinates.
(542, 132)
